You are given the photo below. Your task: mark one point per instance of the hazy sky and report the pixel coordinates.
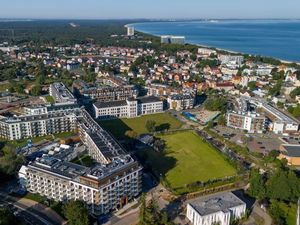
(104, 9)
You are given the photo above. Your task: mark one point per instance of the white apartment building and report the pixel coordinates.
(219, 209)
(181, 102)
(129, 108)
(20, 127)
(113, 180)
(61, 94)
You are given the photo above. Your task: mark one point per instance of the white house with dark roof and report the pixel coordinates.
(217, 209)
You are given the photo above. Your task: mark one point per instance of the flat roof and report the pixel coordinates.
(110, 104)
(212, 204)
(148, 99)
(292, 150)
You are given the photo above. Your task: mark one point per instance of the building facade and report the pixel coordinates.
(105, 93)
(129, 108)
(181, 102)
(113, 180)
(219, 209)
(61, 94)
(253, 123)
(17, 128)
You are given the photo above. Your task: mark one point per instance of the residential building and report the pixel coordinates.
(105, 93)
(61, 94)
(112, 181)
(218, 209)
(181, 102)
(26, 126)
(128, 108)
(251, 122)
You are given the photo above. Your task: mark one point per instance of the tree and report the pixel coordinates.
(36, 90)
(6, 217)
(252, 85)
(210, 124)
(142, 214)
(215, 103)
(222, 120)
(150, 125)
(159, 145)
(277, 213)
(295, 92)
(131, 134)
(10, 162)
(76, 213)
(257, 185)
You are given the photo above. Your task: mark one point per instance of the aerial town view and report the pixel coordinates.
(149, 112)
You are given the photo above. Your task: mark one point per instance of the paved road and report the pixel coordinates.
(27, 215)
(40, 212)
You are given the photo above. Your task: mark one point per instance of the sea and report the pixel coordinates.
(272, 38)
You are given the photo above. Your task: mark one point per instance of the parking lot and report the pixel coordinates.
(261, 143)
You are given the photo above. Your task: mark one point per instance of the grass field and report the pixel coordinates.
(118, 127)
(188, 159)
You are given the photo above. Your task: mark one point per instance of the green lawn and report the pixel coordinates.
(188, 159)
(118, 127)
(50, 99)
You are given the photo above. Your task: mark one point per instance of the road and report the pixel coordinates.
(32, 210)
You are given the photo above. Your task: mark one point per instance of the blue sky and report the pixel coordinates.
(114, 9)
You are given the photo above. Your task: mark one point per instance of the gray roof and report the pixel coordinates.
(110, 104)
(148, 99)
(212, 204)
(292, 150)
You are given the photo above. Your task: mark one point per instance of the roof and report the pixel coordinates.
(292, 150)
(148, 99)
(212, 204)
(110, 104)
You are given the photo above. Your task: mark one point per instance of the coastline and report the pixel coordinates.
(216, 48)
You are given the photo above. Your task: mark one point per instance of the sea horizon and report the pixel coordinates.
(276, 38)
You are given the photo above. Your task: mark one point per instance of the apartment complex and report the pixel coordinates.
(275, 120)
(128, 108)
(218, 209)
(113, 180)
(250, 122)
(61, 94)
(25, 126)
(181, 101)
(105, 93)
